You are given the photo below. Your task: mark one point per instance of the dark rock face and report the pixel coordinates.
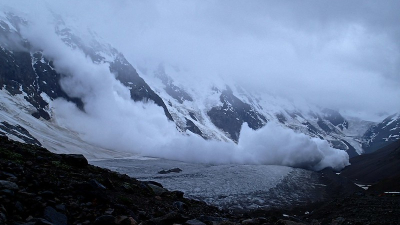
(312, 129)
(233, 113)
(32, 74)
(349, 149)
(382, 134)
(140, 90)
(335, 118)
(281, 118)
(172, 90)
(24, 70)
(193, 128)
(18, 131)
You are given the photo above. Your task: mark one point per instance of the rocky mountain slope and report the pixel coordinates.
(382, 134)
(371, 168)
(380, 170)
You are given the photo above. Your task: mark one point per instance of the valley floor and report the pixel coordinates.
(39, 187)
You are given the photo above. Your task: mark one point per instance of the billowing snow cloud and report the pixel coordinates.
(112, 120)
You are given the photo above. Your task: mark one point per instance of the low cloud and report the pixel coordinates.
(112, 120)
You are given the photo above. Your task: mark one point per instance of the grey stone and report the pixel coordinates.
(194, 222)
(169, 218)
(180, 205)
(41, 221)
(156, 189)
(55, 217)
(77, 160)
(97, 185)
(4, 184)
(104, 220)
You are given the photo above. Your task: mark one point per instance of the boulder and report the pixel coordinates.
(105, 220)
(194, 222)
(174, 170)
(51, 215)
(157, 190)
(4, 184)
(76, 160)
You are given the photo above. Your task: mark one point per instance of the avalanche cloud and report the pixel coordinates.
(112, 120)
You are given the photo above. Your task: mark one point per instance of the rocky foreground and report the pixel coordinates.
(39, 187)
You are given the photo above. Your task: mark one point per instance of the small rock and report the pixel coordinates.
(97, 185)
(212, 219)
(47, 194)
(26, 194)
(55, 217)
(61, 207)
(124, 220)
(169, 218)
(178, 194)
(194, 222)
(105, 220)
(77, 160)
(338, 221)
(109, 211)
(7, 192)
(249, 222)
(4, 184)
(288, 222)
(154, 183)
(41, 221)
(8, 176)
(180, 206)
(174, 170)
(19, 207)
(156, 189)
(3, 218)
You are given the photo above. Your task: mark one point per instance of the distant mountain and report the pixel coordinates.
(219, 113)
(28, 71)
(29, 77)
(382, 134)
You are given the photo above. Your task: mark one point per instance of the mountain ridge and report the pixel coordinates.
(220, 116)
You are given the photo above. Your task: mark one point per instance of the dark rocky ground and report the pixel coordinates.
(374, 167)
(39, 187)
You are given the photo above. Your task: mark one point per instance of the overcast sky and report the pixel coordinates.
(337, 54)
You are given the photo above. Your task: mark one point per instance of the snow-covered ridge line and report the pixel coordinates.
(104, 83)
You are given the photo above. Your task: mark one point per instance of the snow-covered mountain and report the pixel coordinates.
(382, 134)
(220, 113)
(31, 82)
